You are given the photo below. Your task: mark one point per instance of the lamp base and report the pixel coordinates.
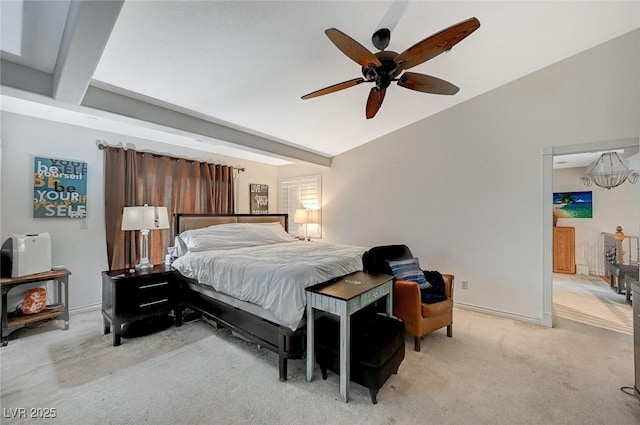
(144, 267)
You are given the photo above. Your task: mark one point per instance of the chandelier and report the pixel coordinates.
(609, 171)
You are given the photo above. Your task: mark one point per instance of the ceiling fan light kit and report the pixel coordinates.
(384, 67)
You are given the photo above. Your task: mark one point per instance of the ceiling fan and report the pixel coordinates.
(385, 66)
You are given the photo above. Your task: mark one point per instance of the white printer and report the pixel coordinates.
(26, 254)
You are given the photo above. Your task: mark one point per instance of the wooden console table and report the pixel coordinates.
(59, 310)
(343, 297)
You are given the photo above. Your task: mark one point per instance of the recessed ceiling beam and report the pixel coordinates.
(25, 78)
(87, 30)
(117, 103)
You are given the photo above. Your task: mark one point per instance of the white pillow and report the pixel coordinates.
(179, 247)
(234, 235)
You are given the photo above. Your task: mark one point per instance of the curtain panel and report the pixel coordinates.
(183, 186)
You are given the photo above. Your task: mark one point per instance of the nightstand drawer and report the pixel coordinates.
(127, 294)
(376, 293)
(153, 291)
(154, 304)
(134, 298)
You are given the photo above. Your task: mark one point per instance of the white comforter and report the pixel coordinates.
(272, 276)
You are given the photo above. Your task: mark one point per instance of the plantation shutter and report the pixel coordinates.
(301, 192)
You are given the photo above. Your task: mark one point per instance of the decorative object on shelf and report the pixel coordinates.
(259, 198)
(145, 218)
(59, 188)
(306, 217)
(35, 300)
(609, 171)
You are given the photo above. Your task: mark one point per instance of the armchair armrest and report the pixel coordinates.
(407, 305)
(448, 284)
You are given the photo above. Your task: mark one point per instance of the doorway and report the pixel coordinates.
(548, 155)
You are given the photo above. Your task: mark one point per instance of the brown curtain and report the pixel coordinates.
(137, 178)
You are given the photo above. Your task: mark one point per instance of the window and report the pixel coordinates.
(301, 192)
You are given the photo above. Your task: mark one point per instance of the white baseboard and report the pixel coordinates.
(500, 313)
(465, 306)
(85, 308)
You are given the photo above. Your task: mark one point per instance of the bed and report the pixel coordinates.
(246, 273)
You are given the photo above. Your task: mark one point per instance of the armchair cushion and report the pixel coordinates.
(409, 269)
(434, 309)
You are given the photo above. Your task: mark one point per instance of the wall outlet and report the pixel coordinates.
(84, 224)
(465, 284)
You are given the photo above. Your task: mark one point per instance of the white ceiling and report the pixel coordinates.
(245, 64)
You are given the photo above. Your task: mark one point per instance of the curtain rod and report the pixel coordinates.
(102, 147)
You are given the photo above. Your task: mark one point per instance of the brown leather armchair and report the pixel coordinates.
(419, 318)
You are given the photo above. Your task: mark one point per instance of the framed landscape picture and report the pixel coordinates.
(573, 204)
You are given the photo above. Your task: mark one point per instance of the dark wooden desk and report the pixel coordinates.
(343, 297)
(59, 310)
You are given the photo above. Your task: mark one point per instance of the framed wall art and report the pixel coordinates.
(59, 188)
(573, 204)
(259, 198)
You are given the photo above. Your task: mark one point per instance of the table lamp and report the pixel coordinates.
(306, 217)
(145, 218)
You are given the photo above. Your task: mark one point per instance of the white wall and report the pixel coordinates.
(463, 189)
(611, 208)
(83, 251)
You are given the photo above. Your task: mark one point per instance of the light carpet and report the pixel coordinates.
(493, 371)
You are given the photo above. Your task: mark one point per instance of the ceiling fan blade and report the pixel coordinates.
(427, 84)
(440, 42)
(356, 51)
(334, 88)
(376, 96)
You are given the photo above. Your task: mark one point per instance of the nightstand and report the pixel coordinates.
(129, 295)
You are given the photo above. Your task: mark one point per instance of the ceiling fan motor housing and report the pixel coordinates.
(380, 38)
(384, 74)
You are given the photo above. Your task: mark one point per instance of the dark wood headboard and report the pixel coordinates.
(196, 221)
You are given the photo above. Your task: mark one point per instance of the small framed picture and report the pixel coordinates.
(259, 198)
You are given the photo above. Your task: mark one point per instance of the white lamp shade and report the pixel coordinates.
(304, 216)
(145, 218)
(301, 216)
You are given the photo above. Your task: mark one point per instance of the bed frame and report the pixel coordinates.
(287, 343)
